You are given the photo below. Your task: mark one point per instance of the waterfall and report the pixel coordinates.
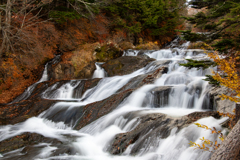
(164, 103)
(99, 72)
(45, 74)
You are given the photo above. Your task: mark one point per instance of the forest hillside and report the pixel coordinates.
(33, 31)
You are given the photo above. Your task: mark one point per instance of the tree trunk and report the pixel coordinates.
(0, 21)
(230, 148)
(8, 23)
(8, 14)
(68, 5)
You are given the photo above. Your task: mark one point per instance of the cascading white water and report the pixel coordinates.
(45, 74)
(187, 94)
(99, 72)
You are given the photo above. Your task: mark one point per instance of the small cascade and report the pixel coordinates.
(149, 123)
(99, 72)
(45, 74)
(44, 78)
(66, 91)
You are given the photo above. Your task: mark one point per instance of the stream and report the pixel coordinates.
(160, 107)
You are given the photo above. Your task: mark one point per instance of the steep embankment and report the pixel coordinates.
(79, 42)
(25, 65)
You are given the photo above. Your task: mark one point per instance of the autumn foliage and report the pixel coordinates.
(227, 75)
(208, 145)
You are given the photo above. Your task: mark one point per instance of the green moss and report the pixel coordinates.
(61, 17)
(107, 52)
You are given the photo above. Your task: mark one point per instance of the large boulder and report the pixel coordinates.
(124, 45)
(107, 52)
(141, 80)
(63, 71)
(95, 110)
(223, 106)
(158, 97)
(125, 65)
(87, 72)
(153, 125)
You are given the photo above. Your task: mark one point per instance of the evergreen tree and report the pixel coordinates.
(155, 17)
(220, 21)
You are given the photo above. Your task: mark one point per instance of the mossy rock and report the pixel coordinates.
(108, 52)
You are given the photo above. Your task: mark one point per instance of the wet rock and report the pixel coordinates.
(90, 84)
(137, 135)
(140, 80)
(68, 115)
(95, 110)
(25, 140)
(198, 115)
(64, 149)
(87, 72)
(152, 76)
(18, 112)
(153, 126)
(158, 97)
(125, 65)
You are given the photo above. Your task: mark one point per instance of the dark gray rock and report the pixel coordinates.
(125, 65)
(158, 97)
(95, 110)
(153, 126)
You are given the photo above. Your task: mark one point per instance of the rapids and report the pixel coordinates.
(187, 93)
